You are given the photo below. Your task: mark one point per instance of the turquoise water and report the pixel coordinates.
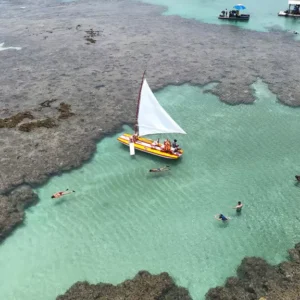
(263, 13)
(121, 219)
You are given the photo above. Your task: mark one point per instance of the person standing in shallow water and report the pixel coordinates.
(238, 207)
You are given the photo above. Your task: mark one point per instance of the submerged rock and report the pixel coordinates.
(256, 279)
(65, 111)
(14, 120)
(12, 209)
(46, 123)
(143, 286)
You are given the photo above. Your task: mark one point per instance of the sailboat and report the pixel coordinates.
(151, 118)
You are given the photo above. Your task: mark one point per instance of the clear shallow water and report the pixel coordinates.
(123, 219)
(263, 13)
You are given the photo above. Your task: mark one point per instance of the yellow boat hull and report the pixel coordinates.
(145, 145)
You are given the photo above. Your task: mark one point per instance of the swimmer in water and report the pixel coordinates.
(293, 31)
(238, 207)
(297, 178)
(221, 217)
(59, 194)
(166, 168)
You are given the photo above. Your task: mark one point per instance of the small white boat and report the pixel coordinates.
(292, 11)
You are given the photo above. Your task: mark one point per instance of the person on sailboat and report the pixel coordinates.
(175, 146)
(166, 168)
(135, 137)
(155, 143)
(59, 194)
(167, 146)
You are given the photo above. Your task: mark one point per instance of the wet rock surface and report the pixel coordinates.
(12, 209)
(143, 286)
(256, 279)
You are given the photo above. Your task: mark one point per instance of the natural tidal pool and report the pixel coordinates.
(121, 219)
(263, 13)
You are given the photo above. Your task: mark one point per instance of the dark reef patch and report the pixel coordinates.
(12, 209)
(143, 286)
(65, 111)
(256, 279)
(47, 103)
(46, 123)
(14, 120)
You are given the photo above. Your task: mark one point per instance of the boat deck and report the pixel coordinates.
(239, 18)
(145, 145)
(284, 14)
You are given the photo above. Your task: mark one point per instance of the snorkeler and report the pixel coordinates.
(59, 194)
(166, 168)
(238, 207)
(221, 217)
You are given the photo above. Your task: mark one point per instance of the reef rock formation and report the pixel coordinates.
(14, 120)
(12, 208)
(256, 279)
(143, 286)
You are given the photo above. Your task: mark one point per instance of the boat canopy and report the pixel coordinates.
(152, 118)
(294, 2)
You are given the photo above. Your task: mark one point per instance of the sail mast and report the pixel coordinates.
(138, 103)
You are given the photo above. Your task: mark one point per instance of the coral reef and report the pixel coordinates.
(12, 209)
(256, 279)
(143, 286)
(14, 120)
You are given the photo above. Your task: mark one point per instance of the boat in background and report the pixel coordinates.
(151, 118)
(234, 15)
(292, 11)
(235, 18)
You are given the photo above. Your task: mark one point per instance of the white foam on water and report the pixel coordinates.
(2, 48)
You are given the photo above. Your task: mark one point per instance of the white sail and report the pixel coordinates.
(152, 117)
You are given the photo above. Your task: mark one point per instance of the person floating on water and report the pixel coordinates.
(221, 217)
(238, 207)
(59, 194)
(166, 168)
(293, 31)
